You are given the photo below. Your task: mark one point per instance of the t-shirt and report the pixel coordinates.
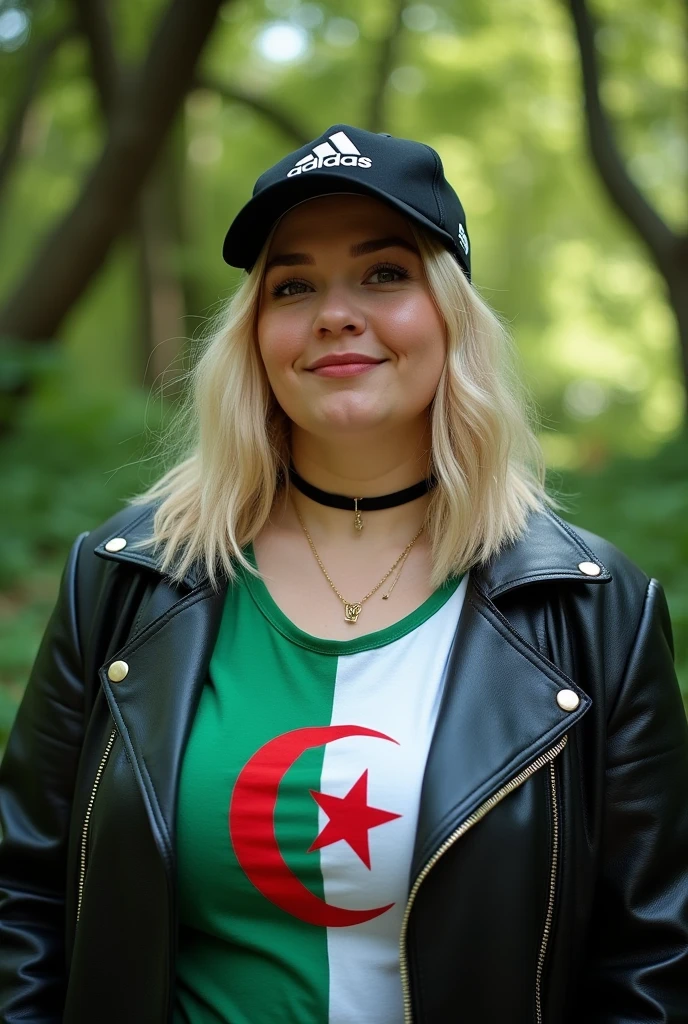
(297, 811)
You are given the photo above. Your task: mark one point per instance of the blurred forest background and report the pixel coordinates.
(132, 132)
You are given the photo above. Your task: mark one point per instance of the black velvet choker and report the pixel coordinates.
(359, 505)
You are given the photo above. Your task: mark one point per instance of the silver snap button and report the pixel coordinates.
(116, 544)
(589, 568)
(568, 700)
(118, 671)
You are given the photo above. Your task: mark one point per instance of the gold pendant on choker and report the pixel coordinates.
(358, 519)
(351, 612)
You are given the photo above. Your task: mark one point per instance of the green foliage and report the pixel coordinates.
(66, 469)
(22, 367)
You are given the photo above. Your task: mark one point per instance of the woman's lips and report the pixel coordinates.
(343, 369)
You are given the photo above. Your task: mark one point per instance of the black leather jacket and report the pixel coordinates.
(550, 874)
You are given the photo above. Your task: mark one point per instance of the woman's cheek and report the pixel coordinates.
(284, 378)
(280, 346)
(400, 323)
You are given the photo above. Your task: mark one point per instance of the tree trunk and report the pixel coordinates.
(667, 249)
(162, 296)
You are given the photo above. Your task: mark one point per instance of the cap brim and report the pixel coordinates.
(251, 226)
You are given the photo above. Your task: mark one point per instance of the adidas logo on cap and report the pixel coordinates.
(325, 155)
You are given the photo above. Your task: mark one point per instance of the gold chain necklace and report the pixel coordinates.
(352, 611)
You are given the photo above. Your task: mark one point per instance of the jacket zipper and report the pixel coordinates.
(481, 811)
(552, 886)
(84, 832)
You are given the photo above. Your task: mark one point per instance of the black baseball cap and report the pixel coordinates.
(406, 174)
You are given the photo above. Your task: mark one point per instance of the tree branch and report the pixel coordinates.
(143, 113)
(375, 121)
(622, 190)
(38, 63)
(235, 94)
(94, 23)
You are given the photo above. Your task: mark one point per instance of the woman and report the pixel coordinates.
(395, 743)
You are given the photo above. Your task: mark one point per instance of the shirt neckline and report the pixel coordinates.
(324, 645)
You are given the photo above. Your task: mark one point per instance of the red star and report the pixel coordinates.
(350, 819)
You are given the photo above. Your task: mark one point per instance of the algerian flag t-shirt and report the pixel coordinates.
(297, 812)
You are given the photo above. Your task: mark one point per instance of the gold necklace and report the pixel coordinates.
(352, 611)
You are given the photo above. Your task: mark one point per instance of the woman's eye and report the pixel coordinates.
(279, 291)
(388, 268)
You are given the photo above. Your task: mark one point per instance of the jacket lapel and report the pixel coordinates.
(498, 714)
(499, 710)
(167, 656)
(154, 705)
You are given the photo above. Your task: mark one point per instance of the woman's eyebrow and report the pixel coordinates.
(291, 259)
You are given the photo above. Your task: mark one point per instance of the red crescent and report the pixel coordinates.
(252, 828)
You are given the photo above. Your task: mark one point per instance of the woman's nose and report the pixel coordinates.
(337, 314)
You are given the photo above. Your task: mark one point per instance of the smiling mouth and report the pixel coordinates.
(344, 369)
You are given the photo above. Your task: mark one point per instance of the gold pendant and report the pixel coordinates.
(351, 612)
(358, 519)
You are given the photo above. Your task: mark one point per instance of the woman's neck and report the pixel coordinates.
(370, 473)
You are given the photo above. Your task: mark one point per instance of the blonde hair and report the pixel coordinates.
(229, 441)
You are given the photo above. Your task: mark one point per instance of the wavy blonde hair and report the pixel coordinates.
(229, 440)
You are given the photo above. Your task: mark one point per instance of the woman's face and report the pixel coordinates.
(322, 296)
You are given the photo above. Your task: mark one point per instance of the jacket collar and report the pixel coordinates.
(549, 549)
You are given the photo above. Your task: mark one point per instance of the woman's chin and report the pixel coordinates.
(340, 422)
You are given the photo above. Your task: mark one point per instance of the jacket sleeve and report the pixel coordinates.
(37, 777)
(637, 967)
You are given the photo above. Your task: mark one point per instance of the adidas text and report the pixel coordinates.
(337, 159)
